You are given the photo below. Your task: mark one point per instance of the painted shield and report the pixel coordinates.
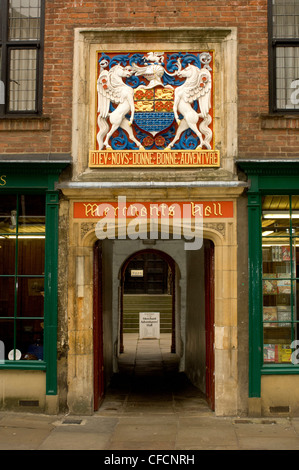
(136, 93)
(154, 112)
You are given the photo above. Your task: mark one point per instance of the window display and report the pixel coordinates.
(280, 229)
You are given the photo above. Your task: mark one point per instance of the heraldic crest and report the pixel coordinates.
(154, 101)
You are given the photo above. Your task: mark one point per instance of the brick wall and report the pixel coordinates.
(259, 134)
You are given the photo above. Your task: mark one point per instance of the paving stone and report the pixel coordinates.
(148, 407)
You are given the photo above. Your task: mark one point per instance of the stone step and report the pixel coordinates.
(133, 304)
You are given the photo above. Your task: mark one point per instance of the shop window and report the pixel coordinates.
(21, 56)
(22, 274)
(284, 55)
(280, 271)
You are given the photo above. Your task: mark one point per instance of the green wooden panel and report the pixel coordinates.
(37, 175)
(255, 294)
(40, 178)
(264, 177)
(51, 263)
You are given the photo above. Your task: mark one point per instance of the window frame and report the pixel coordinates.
(292, 278)
(49, 362)
(273, 44)
(266, 178)
(7, 45)
(256, 246)
(16, 276)
(40, 178)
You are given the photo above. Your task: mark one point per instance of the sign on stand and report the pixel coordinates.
(149, 325)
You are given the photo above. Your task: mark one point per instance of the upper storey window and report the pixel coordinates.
(284, 55)
(21, 31)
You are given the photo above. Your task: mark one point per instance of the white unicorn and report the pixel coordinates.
(196, 87)
(111, 88)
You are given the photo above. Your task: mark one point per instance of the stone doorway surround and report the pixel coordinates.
(78, 292)
(211, 184)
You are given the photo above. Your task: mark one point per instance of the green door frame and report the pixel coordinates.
(51, 287)
(265, 177)
(40, 178)
(255, 294)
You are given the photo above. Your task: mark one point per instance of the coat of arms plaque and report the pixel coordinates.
(154, 109)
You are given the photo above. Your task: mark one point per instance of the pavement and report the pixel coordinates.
(149, 407)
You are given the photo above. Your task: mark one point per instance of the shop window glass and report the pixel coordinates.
(22, 265)
(280, 250)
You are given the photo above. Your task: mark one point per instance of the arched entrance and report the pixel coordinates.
(148, 281)
(190, 285)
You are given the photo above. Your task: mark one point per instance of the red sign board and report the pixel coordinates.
(147, 210)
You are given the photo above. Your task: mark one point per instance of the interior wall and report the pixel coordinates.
(178, 302)
(107, 255)
(195, 324)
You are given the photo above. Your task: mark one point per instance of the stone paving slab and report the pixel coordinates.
(148, 412)
(147, 431)
(24, 431)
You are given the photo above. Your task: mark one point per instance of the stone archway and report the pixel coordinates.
(80, 374)
(171, 263)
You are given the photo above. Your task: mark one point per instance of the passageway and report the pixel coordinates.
(149, 381)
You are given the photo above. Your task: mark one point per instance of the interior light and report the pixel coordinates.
(31, 236)
(277, 244)
(24, 236)
(280, 215)
(267, 232)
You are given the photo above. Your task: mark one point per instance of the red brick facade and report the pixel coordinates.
(259, 135)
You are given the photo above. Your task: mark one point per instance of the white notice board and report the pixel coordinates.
(149, 325)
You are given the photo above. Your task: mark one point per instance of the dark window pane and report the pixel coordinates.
(30, 297)
(29, 337)
(31, 215)
(7, 335)
(31, 256)
(7, 296)
(8, 208)
(7, 256)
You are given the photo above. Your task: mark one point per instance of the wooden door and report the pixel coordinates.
(98, 327)
(209, 321)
